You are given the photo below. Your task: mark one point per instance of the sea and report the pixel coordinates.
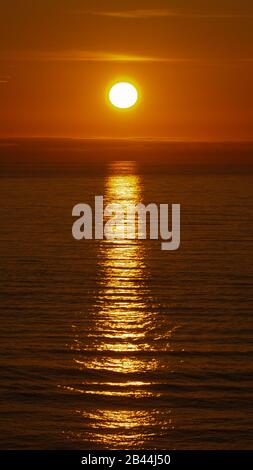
(117, 344)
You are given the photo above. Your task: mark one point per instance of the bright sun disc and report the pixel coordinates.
(123, 95)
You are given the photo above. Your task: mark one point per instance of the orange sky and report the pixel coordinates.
(192, 60)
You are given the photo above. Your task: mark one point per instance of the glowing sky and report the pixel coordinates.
(192, 61)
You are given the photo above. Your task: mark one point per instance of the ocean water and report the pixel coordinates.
(118, 344)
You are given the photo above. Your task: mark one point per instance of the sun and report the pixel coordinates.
(123, 95)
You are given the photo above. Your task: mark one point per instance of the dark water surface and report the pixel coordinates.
(117, 344)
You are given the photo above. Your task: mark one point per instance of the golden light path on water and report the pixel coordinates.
(119, 336)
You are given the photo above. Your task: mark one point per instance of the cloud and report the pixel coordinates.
(103, 56)
(71, 56)
(161, 13)
(82, 56)
(4, 78)
(138, 14)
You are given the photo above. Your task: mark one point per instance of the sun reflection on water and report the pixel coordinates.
(123, 319)
(116, 350)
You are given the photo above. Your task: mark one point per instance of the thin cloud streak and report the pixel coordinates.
(84, 56)
(132, 14)
(4, 78)
(159, 13)
(96, 56)
(72, 56)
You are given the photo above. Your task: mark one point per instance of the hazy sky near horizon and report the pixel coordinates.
(191, 60)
